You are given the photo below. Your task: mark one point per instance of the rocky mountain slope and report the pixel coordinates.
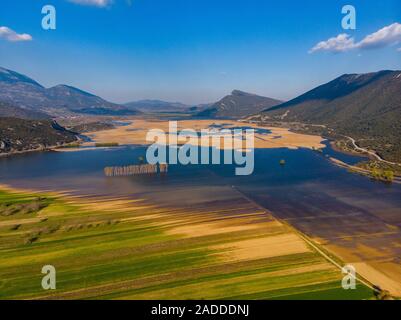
(21, 91)
(238, 104)
(366, 107)
(7, 110)
(157, 106)
(19, 135)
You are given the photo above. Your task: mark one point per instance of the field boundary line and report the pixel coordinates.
(307, 239)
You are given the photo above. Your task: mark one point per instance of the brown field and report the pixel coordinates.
(135, 133)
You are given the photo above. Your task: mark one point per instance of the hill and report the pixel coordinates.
(7, 110)
(157, 106)
(237, 105)
(22, 91)
(19, 135)
(366, 107)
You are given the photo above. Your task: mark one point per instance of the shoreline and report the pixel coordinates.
(49, 148)
(21, 152)
(346, 152)
(361, 171)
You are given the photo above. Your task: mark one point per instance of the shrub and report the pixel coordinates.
(388, 175)
(107, 144)
(15, 227)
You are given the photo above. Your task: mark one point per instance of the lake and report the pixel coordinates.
(356, 217)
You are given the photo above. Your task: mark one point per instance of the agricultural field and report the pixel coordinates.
(124, 249)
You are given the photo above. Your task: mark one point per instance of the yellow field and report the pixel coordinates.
(135, 133)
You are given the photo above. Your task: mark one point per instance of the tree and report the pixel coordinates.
(375, 173)
(388, 175)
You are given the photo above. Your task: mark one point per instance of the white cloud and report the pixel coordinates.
(387, 36)
(341, 43)
(96, 3)
(11, 35)
(399, 49)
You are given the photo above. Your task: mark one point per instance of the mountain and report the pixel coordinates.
(79, 101)
(7, 110)
(366, 107)
(22, 91)
(238, 105)
(19, 135)
(157, 106)
(19, 90)
(201, 107)
(9, 76)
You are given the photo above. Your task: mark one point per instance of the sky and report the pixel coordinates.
(197, 51)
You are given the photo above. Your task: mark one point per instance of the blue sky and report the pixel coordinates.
(194, 51)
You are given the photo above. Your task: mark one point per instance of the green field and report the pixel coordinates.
(130, 252)
(106, 145)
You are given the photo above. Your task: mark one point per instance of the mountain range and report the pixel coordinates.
(366, 107)
(157, 106)
(238, 104)
(20, 91)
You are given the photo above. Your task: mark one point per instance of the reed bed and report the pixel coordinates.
(133, 170)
